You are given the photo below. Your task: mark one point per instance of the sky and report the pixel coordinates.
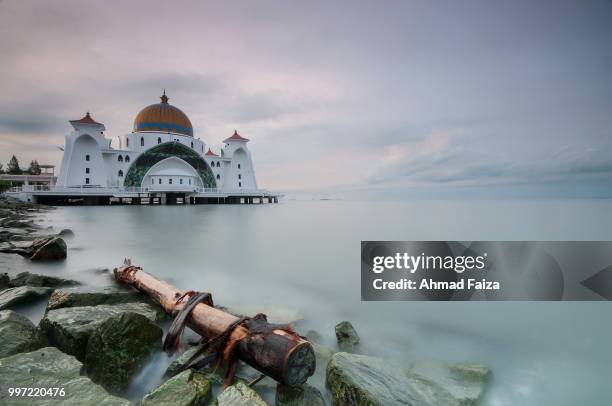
(363, 99)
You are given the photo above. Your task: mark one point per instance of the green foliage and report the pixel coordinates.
(13, 167)
(34, 168)
(4, 185)
(1, 169)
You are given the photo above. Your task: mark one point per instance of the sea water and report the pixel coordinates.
(300, 261)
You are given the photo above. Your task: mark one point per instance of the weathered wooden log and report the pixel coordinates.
(285, 357)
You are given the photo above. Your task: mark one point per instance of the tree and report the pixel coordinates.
(1, 170)
(13, 167)
(34, 168)
(4, 185)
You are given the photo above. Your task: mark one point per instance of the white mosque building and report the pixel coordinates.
(159, 162)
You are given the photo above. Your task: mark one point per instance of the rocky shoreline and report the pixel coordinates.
(93, 342)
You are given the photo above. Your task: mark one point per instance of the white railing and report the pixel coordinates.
(97, 189)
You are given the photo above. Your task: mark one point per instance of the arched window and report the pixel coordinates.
(119, 158)
(127, 142)
(218, 177)
(159, 181)
(218, 165)
(142, 141)
(190, 181)
(238, 166)
(87, 157)
(159, 140)
(127, 158)
(239, 184)
(202, 147)
(181, 181)
(120, 173)
(152, 181)
(170, 181)
(191, 144)
(239, 176)
(212, 163)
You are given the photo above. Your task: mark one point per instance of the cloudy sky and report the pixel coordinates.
(361, 98)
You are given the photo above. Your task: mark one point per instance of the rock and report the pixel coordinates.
(304, 395)
(17, 334)
(48, 249)
(362, 380)
(14, 296)
(440, 383)
(76, 297)
(13, 231)
(4, 281)
(185, 389)
(119, 347)
(69, 328)
(184, 357)
(32, 279)
(50, 368)
(239, 394)
(41, 249)
(347, 336)
(19, 224)
(66, 233)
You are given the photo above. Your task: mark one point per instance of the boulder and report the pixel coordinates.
(81, 296)
(66, 233)
(119, 347)
(173, 368)
(240, 394)
(189, 388)
(440, 383)
(362, 380)
(4, 281)
(69, 328)
(304, 395)
(347, 336)
(14, 231)
(50, 368)
(41, 249)
(14, 296)
(32, 279)
(19, 224)
(48, 249)
(17, 334)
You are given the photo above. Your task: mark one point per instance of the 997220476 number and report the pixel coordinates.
(36, 392)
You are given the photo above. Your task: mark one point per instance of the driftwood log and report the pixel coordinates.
(287, 358)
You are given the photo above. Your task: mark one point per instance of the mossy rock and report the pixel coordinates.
(22, 294)
(51, 368)
(189, 388)
(240, 394)
(17, 334)
(70, 328)
(362, 380)
(76, 297)
(119, 347)
(304, 395)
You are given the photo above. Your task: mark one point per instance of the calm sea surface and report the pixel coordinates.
(300, 260)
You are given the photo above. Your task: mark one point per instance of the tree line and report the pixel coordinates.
(13, 168)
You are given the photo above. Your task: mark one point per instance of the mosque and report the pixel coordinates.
(159, 162)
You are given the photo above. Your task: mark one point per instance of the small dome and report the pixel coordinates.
(163, 117)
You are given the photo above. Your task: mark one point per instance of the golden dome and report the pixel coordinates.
(163, 117)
